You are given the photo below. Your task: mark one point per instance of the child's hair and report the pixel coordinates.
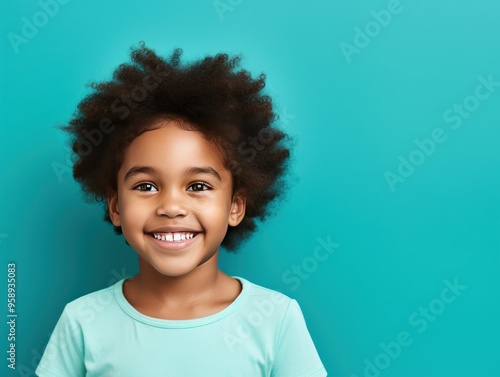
(207, 95)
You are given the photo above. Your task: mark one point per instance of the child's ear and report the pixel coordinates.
(114, 212)
(238, 207)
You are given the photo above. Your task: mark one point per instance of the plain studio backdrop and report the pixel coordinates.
(389, 236)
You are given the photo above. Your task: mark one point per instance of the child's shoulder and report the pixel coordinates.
(91, 304)
(258, 292)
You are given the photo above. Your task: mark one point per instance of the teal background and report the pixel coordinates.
(352, 122)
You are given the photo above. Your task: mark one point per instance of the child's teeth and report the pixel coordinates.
(173, 237)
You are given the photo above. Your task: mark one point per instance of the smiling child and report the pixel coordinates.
(184, 159)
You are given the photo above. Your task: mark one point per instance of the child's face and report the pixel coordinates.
(183, 187)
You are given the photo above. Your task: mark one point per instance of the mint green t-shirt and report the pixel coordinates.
(261, 333)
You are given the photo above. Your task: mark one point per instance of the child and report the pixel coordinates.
(184, 159)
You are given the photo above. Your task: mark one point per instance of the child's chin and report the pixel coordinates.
(175, 272)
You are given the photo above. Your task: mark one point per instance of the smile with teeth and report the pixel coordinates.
(174, 237)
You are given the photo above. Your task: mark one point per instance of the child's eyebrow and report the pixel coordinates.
(204, 170)
(190, 171)
(134, 170)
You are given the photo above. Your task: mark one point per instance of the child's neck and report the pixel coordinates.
(205, 291)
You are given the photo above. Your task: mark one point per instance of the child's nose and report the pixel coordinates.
(172, 203)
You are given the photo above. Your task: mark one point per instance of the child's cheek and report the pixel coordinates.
(201, 202)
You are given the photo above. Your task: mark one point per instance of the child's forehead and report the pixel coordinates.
(174, 135)
(168, 142)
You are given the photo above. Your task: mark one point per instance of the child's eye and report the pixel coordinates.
(146, 187)
(198, 186)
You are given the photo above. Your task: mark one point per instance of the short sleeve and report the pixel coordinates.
(63, 355)
(296, 355)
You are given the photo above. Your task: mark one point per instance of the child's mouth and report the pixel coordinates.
(174, 237)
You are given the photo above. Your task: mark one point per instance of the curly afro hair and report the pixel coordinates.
(226, 105)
